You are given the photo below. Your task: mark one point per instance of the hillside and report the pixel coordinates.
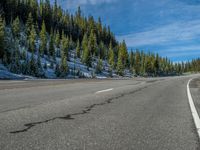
(42, 40)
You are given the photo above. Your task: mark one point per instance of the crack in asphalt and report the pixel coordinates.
(71, 116)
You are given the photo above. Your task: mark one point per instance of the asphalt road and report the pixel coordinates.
(137, 114)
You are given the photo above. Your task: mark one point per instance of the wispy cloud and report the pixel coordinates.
(184, 55)
(179, 31)
(180, 49)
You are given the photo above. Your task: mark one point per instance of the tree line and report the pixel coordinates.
(47, 31)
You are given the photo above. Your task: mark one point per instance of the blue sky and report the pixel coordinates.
(169, 27)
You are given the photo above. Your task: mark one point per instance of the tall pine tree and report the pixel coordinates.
(51, 47)
(32, 38)
(43, 38)
(29, 24)
(78, 49)
(63, 66)
(2, 34)
(16, 27)
(111, 56)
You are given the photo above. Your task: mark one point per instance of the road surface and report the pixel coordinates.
(135, 114)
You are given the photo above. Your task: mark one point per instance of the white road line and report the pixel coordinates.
(193, 109)
(107, 90)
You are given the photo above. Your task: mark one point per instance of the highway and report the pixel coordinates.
(131, 114)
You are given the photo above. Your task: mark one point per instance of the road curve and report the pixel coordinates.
(136, 114)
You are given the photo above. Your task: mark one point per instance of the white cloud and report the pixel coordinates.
(178, 49)
(182, 54)
(179, 31)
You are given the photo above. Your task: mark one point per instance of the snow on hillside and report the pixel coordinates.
(75, 66)
(72, 64)
(5, 74)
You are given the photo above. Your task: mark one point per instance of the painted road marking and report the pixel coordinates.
(107, 90)
(193, 109)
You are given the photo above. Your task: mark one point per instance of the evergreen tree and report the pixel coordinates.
(15, 65)
(43, 38)
(71, 43)
(85, 42)
(86, 57)
(57, 70)
(99, 66)
(32, 38)
(78, 49)
(63, 66)
(137, 63)
(57, 39)
(93, 43)
(124, 53)
(156, 65)
(131, 60)
(40, 71)
(102, 51)
(51, 47)
(2, 37)
(86, 54)
(111, 60)
(16, 27)
(5, 59)
(29, 24)
(65, 45)
(148, 65)
(32, 65)
(120, 65)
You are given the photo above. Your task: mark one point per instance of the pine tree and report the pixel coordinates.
(111, 60)
(93, 43)
(57, 70)
(78, 49)
(16, 27)
(102, 50)
(148, 66)
(156, 64)
(5, 59)
(124, 53)
(85, 41)
(32, 65)
(87, 57)
(40, 71)
(15, 64)
(57, 39)
(63, 66)
(65, 45)
(32, 38)
(43, 38)
(99, 66)
(137, 63)
(120, 65)
(2, 37)
(86, 53)
(131, 60)
(29, 24)
(51, 47)
(71, 43)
